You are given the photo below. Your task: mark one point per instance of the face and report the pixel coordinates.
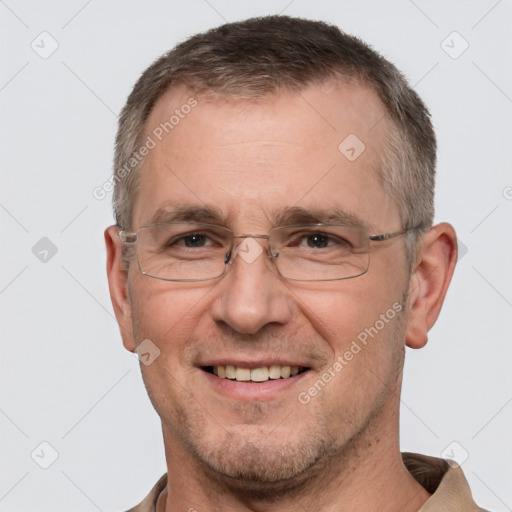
(252, 163)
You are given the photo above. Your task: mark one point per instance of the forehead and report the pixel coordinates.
(251, 159)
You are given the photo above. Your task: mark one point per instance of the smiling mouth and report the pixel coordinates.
(261, 374)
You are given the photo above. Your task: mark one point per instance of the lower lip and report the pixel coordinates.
(252, 390)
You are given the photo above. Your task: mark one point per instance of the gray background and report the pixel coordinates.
(65, 378)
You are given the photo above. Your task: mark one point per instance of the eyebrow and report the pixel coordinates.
(336, 215)
(287, 216)
(187, 213)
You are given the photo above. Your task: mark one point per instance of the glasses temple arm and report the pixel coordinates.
(387, 236)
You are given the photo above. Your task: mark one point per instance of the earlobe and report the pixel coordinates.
(117, 282)
(431, 276)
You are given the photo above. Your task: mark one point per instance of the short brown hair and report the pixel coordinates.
(259, 56)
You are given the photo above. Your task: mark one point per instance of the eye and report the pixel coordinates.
(204, 239)
(194, 240)
(317, 240)
(320, 240)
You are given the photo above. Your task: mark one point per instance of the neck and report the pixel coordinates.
(367, 475)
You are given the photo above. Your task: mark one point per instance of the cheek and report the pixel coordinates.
(363, 330)
(367, 351)
(167, 313)
(348, 309)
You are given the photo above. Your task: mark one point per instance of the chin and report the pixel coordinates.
(262, 466)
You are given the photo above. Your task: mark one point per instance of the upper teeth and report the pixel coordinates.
(255, 374)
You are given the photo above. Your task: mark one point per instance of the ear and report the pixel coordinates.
(431, 276)
(118, 285)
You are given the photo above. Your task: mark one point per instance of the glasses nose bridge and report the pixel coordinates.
(249, 235)
(242, 236)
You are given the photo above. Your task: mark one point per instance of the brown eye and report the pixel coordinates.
(194, 240)
(317, 240)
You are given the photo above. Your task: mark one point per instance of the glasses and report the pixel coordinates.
(182, 251)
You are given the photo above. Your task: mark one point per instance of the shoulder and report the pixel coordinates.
(444, 480)
(149, 502)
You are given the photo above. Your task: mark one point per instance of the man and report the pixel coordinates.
(273, 255)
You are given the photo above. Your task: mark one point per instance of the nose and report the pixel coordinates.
(251, 294)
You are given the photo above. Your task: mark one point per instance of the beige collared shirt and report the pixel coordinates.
(448, 486)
